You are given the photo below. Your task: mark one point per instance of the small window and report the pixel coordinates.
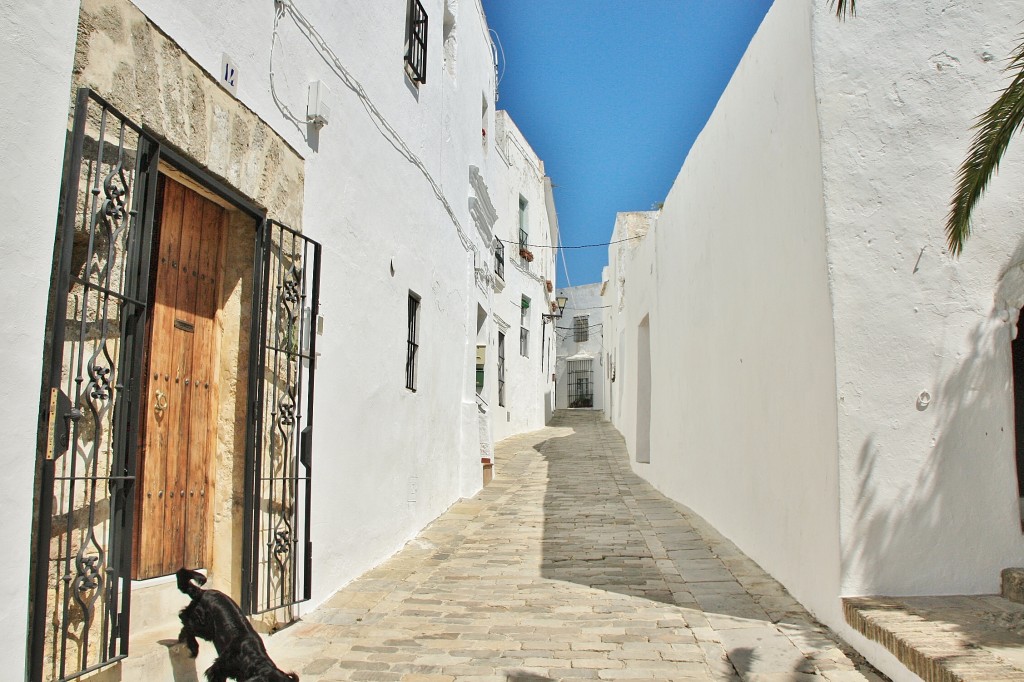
(481, 356)
(501, 369)
(416, 42)
(524, 331)
(499, 259)
(413, 342)
(581, 328)
(524, 225)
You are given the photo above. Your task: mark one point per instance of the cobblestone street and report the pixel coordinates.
(567, 566)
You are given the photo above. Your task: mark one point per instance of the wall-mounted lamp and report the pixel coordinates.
(317, 111)
(561, 301)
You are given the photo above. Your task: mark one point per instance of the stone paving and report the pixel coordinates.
(567, 566)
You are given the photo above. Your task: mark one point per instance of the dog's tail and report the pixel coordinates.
(186, 584)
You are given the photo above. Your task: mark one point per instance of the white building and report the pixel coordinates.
(251, 193)
(796, 356)
(582, 366)
(519, 337)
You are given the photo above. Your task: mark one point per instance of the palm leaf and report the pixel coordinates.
(995, 128)
(843, 7)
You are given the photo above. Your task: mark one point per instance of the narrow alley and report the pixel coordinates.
(567, 566)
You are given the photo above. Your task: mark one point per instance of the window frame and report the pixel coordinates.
(416, 33)
(499, 259)
(501, 369)
(412, 342)
(524, 223)
(581, 328)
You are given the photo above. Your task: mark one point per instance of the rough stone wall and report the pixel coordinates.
(233, 321)
(125, 58)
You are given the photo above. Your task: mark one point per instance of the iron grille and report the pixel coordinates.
(90, 421)
(499, 259)
(416, 42)
(278, 553)
(581, 383)
(413, 345)
(501, 369)
(524, 237)
(581, 328)
(524, 342)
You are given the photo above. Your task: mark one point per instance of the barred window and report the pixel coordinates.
(416, 42)
(499, 259)
(501, 369)
(413, 346)
(581, 328)
(524, 223)
(524, 331)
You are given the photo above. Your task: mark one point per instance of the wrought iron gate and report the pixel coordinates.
(79, 590)
(278, 553)
(581, 383)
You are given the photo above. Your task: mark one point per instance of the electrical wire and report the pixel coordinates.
(577, 246)
(376, 116)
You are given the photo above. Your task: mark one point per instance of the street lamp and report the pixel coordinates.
(561, 301)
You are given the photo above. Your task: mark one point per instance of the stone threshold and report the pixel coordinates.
(945, 639)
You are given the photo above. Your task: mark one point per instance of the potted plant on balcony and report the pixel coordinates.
(550, 285)
(526, 254)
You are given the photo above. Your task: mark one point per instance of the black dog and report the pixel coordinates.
(212, 615)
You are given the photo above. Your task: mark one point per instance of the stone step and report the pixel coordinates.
(1013, 584)
(970, 638)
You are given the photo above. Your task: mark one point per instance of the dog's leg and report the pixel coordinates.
(216, 673)
(186, 635)
(190, 641)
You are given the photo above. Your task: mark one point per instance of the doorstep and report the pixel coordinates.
(945, 639)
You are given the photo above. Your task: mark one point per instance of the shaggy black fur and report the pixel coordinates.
(213, 616)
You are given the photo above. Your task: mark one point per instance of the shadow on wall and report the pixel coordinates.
(903, 535)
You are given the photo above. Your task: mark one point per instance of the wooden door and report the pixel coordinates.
(174, 515)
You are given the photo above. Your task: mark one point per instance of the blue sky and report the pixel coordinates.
(611, 94)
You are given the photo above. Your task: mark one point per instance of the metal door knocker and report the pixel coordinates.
(160, 404)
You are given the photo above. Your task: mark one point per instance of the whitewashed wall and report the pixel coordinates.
(529, 391)
(732, 280)
(388, 460)
(36, 53)
(584, 299)
(928, 496)
(802, 303)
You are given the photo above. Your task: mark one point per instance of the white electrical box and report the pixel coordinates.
(317, 111)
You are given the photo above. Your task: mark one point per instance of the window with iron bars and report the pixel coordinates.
(501, 369)
(499, 259)
(416, 42)
(413, 343)
(581, 328)
(524, 225)
(524, 332)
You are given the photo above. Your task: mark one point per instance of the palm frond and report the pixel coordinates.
(995, 128)
(843, 7)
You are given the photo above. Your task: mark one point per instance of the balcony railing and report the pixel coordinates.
(499, 260)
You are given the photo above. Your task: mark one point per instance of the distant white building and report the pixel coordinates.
(580, 374)
(253, 259)
(796, 356)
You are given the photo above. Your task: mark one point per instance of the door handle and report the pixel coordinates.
(160, 404)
